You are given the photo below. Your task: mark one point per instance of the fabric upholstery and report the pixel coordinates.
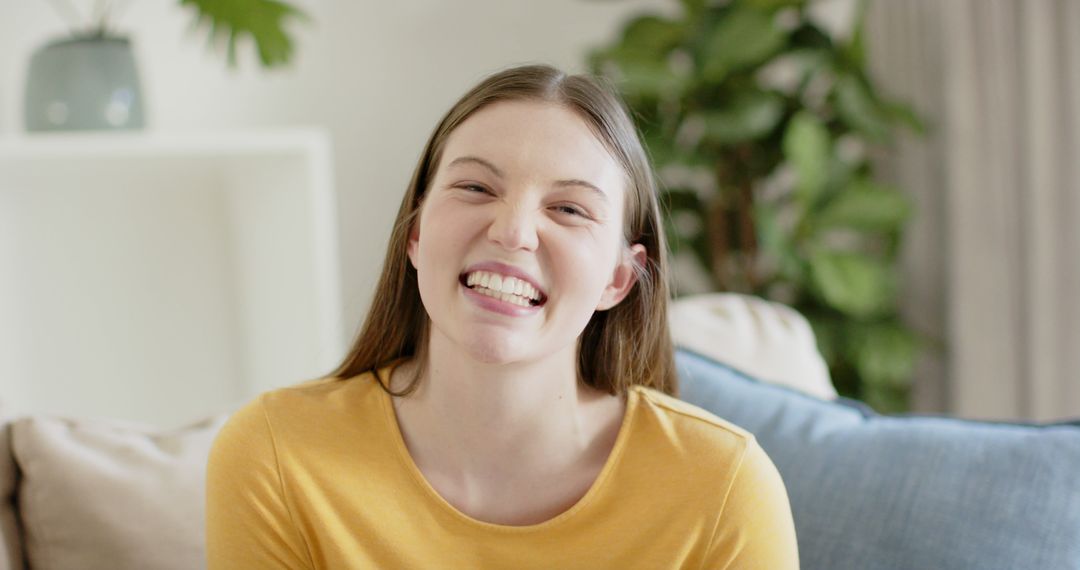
(866, 491)
(892, 492)
(11, 554)
(764, 339)
(113, 495)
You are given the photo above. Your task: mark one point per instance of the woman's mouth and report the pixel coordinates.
(503, 287)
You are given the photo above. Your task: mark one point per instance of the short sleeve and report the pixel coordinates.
(755, 529)
(248, 523)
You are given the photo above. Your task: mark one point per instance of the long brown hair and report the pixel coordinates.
(626, 345)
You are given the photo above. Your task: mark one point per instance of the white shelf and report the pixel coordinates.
(164, 277)
(130, 144)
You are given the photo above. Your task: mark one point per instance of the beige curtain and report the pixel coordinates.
(992, 263)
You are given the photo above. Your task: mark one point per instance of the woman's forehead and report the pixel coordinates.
(521, 136)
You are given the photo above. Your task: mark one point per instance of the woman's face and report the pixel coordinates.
(519, 238)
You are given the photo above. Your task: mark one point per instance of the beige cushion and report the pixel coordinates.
(11, 543)
(107, 494)
(767, 340)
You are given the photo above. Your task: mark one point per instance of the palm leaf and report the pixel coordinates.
(262, 20)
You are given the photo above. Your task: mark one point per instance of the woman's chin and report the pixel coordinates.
(497, 350)
(489, 354)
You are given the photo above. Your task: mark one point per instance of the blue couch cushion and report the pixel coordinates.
(884, 492)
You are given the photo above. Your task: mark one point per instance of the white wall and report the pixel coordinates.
(378, 75)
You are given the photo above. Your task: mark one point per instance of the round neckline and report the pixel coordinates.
(418, 476)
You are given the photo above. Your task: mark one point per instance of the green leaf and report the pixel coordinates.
(885, 400)
(663, 151)
(827, 333)
(856, 47)
(795, 67)
(866, 206)
(854, 284)
(231, 51)
(639, 74)
(859, 110)
(774, 240)
(774, 4)
(770, 234)
(661, 148)
(642, 57)
(809, 36)
(682, 200)
(906, 115)
(643, 78)
(749, 117)
(841, 175)
(884, 354)
(807, 147)
(743, 38)
(651, 37)
(263, 20)
(693, 8)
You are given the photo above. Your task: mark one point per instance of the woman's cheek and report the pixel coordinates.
(584, 267)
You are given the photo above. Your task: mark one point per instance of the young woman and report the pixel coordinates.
(509, 402)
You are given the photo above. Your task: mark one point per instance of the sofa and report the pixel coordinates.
(866, 490)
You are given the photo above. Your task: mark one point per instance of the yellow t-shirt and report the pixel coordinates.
(318, 476)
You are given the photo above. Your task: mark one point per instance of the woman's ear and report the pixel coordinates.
(624, 277)
(414, 242)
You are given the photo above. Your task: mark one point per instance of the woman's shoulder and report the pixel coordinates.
(716, 452)
(684, 433)
(320, 392)
(690, 420)
(323, 403)
(319, 396)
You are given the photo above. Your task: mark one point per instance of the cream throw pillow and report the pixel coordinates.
(11, 556)
(764, 339)
(109, 494)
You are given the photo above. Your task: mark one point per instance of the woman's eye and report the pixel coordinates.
(564, 209)
(474, 188)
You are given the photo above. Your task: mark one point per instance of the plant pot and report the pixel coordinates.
(83, 83)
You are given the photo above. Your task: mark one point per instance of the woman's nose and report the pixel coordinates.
(513, 228)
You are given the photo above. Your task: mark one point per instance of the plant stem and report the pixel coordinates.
(716, 220)
(67, 11)
(101, 15)
(717, 230)
(747, 230)
(748, 233)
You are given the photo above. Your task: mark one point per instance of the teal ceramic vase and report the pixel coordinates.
(83, 83)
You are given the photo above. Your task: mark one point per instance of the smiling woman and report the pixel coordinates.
(510, 400)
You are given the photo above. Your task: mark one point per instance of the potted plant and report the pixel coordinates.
(760, 125)
(89, 80)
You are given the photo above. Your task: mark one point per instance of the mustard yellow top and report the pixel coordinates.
(318, 476)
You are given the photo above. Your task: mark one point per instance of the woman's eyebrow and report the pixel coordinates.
(498, 173)
(477, 160)
(582, 184)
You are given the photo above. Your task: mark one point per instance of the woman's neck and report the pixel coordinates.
(474, 421)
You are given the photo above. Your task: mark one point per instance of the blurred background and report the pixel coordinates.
(902, 173)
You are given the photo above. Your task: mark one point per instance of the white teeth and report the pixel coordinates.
(509, 285)
(507, 297)
(502, 284)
